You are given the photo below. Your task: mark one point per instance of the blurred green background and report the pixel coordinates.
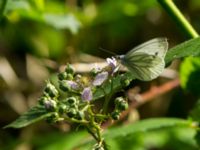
(37, 36)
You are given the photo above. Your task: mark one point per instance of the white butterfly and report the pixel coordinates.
(146, 61)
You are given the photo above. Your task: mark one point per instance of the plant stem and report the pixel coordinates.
(178, 17)
(107, 99)
(93, 134)
(2, 8)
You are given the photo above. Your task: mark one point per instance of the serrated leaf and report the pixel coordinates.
(188, 48)
(35, 114)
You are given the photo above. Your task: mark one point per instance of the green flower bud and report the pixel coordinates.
(71, 100)
(53, 118)
(71, 112)
(62, 76)
(123, 106)
(69, 69)
(118, 100)
(115, 115)
(64, 86)
(80, 115)
(51, 90)
(42, 100)
(70, 77)
(125, 81)
(62, 109)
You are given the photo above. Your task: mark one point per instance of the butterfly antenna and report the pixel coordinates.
(107, 51)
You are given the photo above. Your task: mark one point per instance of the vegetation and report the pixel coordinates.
(87, 105)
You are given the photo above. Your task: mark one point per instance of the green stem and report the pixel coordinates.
(178, 17)
(105, 105)
(2, 8)
(93, 134)
(76, 121)
(107, 99)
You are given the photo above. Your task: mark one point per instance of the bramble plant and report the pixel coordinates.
(74, 98)
(78, 103)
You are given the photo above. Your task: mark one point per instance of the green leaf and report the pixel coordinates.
(58, 21)
(197, 138)
(145, 126)
(188, 48)
(34, 11)
(170, 138)
(195, 113)
(59, 141)
(109, 87)
(189, 74)
(35, 114)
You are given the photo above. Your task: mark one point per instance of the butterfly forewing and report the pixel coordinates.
(157, 46)
(146, 61)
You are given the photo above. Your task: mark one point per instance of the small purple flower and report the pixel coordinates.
(73, 85)
(87, 94)
(112, 62)
(100, 78)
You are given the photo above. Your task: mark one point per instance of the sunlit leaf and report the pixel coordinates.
(67, 21)
(145, 126)
(189, 74)
(188, 48)
(61, 141)
(22, 9)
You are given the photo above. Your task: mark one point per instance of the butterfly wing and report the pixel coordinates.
(146, 61)
(157, 46)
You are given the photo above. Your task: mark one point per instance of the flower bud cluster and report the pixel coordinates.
(69, 107)
(66, 82)
(72, 99)
(49, 98)
(50, 102)
(120, 105)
